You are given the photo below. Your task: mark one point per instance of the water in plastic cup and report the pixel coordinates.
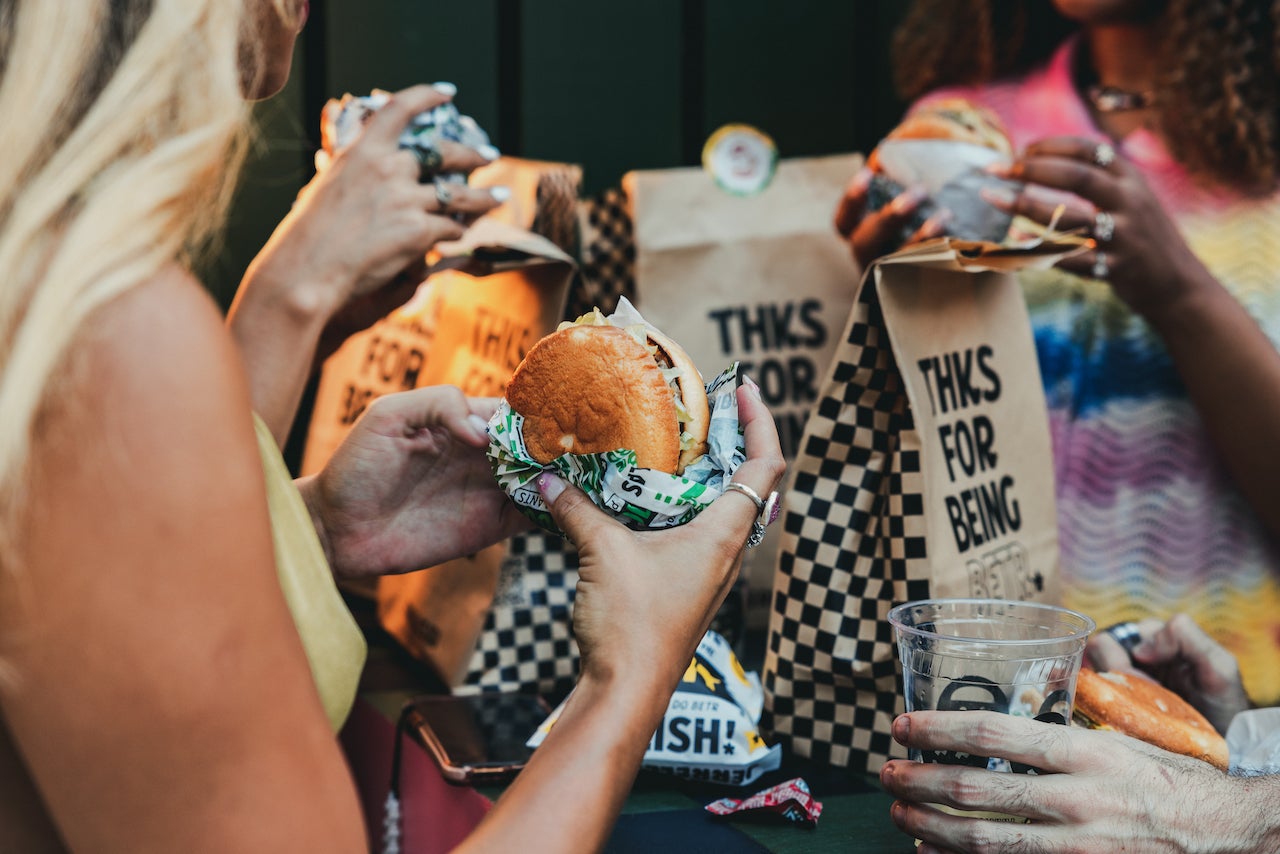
(1018, 658)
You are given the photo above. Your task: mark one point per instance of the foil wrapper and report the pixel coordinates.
(342, 119)
(1253, 740)
(790, 801)
(709, 733)
(642, 499)
(952, 175)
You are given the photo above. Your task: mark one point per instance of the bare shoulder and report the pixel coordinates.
(159, 349)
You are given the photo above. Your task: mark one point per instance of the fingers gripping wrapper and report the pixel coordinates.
(341, 121)
(616, 409)
(709, 733)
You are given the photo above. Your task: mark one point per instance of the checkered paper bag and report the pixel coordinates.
(925, 470)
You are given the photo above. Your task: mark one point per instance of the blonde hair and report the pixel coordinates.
(121, 138)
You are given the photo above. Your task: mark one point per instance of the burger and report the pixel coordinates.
(593, 387)
(954, 120)
(1142, 708)
(944, 146)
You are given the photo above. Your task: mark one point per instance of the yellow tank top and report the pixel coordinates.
(334, 645)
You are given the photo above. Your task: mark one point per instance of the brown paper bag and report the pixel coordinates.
(494, 293)
(761, 279)
(925, 471)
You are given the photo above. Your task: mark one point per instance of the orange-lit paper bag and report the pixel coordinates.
(493, 294)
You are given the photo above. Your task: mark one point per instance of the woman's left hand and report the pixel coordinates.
(1098, 791)
(411, 487)
(1139, 251)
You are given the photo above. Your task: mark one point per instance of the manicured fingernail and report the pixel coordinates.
(479, 425)
(550, 485)
(936, 225)
(445, 88)
(751, 386)
(500, 193)
(997, 197)
(898, 812)
(1000, 170)
(909, 201)
(488, 152)
(859, 182)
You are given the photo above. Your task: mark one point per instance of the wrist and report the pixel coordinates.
(309, 488)
(1191, 299)
(631, 690)
(290, 294)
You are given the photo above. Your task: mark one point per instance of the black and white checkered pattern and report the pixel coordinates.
(607, 254)
(527, 643)
(853, 530)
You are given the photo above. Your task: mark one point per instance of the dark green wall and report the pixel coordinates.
(610, 85)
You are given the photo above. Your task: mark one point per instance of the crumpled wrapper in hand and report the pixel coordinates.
(1254, 742)
(640, 498)
(952, 174)
(342, 119)
(709, 732)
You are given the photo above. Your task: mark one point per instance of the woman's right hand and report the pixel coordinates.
(645, 598)
(876, 233)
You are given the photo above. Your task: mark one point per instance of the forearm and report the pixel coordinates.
(571, 792)
(277, 325)
(1232, 374)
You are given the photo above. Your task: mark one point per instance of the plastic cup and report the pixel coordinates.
(1018, 658)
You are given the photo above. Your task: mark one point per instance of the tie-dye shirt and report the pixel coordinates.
(1149, 521)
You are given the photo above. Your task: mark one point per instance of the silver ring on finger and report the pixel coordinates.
(429, 159)
(1125, 634)
(766, 510)
(444, 194)
(1104, 155)
(1100, 267)
(1104, 226)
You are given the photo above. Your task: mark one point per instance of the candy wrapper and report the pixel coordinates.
(341, 121)
(1254, 741)
(790, 800)
(642, 499)
(709, 731)
(952, 174)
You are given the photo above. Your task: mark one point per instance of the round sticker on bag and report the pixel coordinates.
(740, 159)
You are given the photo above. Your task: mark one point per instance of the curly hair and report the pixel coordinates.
(1217, 89)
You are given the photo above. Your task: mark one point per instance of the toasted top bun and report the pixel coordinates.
(1146, 710)
(592, 389)
(953, 119)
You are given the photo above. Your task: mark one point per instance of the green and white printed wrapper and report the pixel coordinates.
(710, 730)
(642, 499)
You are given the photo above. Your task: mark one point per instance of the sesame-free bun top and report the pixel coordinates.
(592, 389)
(1144, 709)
